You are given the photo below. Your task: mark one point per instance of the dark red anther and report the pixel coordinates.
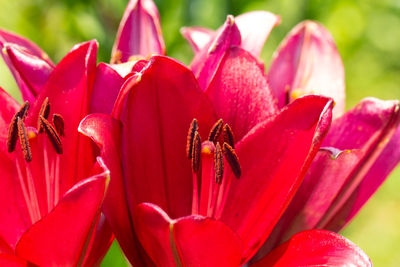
(215, 131)
(194, 126)
(58, 122)
(23, 138)
(13, 128)
(44, 112)
(52, 134)
(232, 159)
(218, 164)
(228, 135)
(196, 152)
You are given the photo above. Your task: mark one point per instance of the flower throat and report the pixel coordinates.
(207, 158)
(29, 179)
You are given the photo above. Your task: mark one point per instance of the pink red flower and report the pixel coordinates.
(52, 185)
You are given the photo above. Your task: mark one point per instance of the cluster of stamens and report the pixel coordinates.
(18, 130)
(210, 187)
(193, 148)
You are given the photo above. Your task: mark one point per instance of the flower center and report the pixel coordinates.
(30, 140)
(210, 186)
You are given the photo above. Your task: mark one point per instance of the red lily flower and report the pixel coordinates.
(45, 169)
(362, 146)
(145, 143)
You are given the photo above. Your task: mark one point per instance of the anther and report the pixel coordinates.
(228, 135)
(194, 126)
(23, 137)
(232, 159)
(215, 131)
(52, 134)
(58, 122)
(218, 164)
(44, 112)
(196, 152)
(13, 128)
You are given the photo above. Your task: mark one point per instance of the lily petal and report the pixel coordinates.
(316, 248)
(367, 127)
(255, 28)
(384, 164)
(45, 244)
(241, 101)
(106, 87)
(329, 182)
(139, 33)
(275, 154)
(185, 240)
(105, 132)
(12, 261)
(68, 90)
(15, 219)
(30, 71)
(307, 62)
(206, 62)
(29, 46)
(156, 108)
(102, 238)
(197, 37)
(8, 107)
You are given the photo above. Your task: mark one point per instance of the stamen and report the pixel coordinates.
(228, 135)
(218, 164)
(215, 131)
(52, 134)
(58, 122)
(196, 152)
(232, 159)
(13, 128)
(23, 137)
(194, 126)
(44, 112)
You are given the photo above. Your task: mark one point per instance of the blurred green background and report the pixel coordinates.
(367, 33)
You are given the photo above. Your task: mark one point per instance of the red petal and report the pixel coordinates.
(12, 261)
(102, 238)
(197, 37)
(139, 32)
(61, 238)
(323, 181)
(105, 131)
(30, 71)
(14, 215)
(206, 62)
(329, 182)
(239, 92)
(273, 158)
(152, 226)
(5, 248)
(29, 48)
(366, 127)
(32, 48)
(206, 242)
(105, 89)
(307, 62)
(156, 108)
(384, 164)
(8, 107)
(192, 240)
(316, 248)
(68, 89)
(373, 171)
(255, 28)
